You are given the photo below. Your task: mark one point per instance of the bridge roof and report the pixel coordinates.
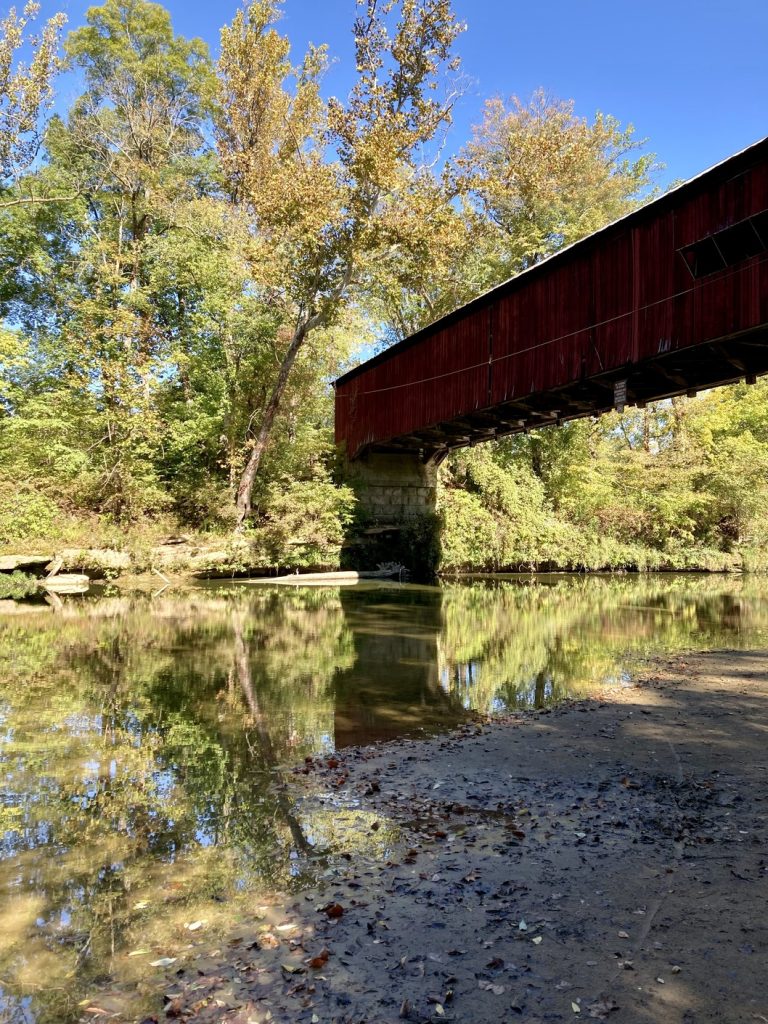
(714, 175)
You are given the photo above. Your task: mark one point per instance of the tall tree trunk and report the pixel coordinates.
(248, 477)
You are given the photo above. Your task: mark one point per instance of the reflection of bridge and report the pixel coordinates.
(670, 299)
(393, 688)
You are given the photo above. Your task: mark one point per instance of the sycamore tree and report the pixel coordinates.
(541, 178)
(534, 178)
(26, 92)
(318, 178)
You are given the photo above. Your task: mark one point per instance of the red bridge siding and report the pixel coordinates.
(621, 300)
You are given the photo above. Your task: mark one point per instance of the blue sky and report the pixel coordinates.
(691, 75)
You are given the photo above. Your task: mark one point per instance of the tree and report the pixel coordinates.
(317, 177)
(542, 178)
(134, 147)
(26, 91)
(534, 178)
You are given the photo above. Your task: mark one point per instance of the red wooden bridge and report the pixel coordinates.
(668, 300)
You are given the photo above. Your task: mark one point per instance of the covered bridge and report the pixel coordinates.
(667, 300)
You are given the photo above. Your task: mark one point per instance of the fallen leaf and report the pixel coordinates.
(292, 968)
(623, 935)
(268, 941)
(439, 1010)
(334, 910)
(138, 952)
(575, 1007)
(600, 1009)
(489, 986)
(320, 960)
(537, 940)
(141, 905)
(194, 926)
(164, 961)
(523, 927)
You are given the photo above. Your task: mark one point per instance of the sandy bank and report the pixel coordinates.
(606, 860)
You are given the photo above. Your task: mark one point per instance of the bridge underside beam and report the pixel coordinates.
(677, 373)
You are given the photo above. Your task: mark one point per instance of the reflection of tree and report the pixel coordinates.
(137, 742)
(243, 671)
(142, 743)
(524, 643)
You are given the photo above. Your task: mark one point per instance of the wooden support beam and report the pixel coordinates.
(728, 357)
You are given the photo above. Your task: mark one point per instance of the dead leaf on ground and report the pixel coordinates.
(489, 986)
(292, 968)
(320, 960)
(600, 1009)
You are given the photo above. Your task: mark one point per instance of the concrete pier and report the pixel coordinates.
(396, 521)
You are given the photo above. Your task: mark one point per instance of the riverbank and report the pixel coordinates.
(180, 561)
(605, 860)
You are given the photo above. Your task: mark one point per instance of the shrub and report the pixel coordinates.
(304, 522)
(26, 514)
(16, 585)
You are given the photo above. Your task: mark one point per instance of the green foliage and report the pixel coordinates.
(26, 514)
(543, 178)
(26, 88)
(679, 485)
(303, 522)
(17, 585)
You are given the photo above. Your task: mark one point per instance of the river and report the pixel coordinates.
(146, 741)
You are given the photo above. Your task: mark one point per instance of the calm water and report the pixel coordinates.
(144, 741)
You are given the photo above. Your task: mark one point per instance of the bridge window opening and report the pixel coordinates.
(739, 243)
(760, 224)
(703, 258)
(728, 247)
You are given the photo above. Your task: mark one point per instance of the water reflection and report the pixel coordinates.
(144, 743)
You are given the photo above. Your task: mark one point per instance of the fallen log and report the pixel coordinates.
(340, 578)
